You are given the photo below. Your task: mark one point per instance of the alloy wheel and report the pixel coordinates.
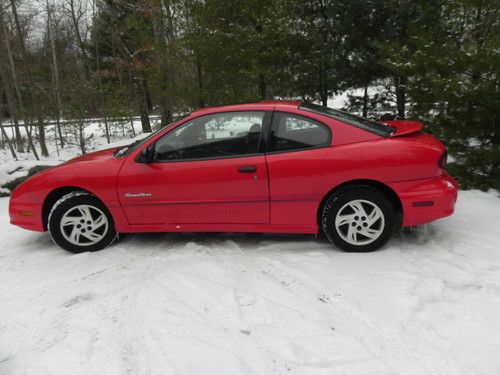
(359, 222)
(84, 225)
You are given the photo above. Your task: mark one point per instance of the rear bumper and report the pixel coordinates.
(27, 216)
(427, 200)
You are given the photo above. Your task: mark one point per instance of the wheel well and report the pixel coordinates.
(52, 198)
(383, 188)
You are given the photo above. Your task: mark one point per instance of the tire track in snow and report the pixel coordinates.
(253, 267)
(265, 354)
(457, 280)
(392, 351)
(250, 265)
(213, 324)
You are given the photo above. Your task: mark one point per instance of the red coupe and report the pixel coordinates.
(274, 166)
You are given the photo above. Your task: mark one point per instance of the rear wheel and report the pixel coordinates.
(358, 218)
(79, 222)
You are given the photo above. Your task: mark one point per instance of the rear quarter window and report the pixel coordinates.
(350, 119)
(294, 132)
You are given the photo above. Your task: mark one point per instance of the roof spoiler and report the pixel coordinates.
(404, 127)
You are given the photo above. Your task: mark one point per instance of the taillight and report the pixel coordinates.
(443, 160)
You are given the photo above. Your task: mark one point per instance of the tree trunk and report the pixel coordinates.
(262, 86)
(365, 101)
(131, 92)
(12, 110)
(55, 68)
(324, 55)
(7, 140)
(323, 93)
(5, 137)
(143, 109)
(399, 83)
(81, 138)
(31, 85)
(41, 136)
(163, 43)
(79, 40)
(11, 103)
(199, 78)
(147, 95)
(99, 83)
(16, 86)
(166, 111)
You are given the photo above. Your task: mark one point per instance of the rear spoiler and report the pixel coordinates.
(404, 127)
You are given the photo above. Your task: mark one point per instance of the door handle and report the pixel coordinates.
(247, 169)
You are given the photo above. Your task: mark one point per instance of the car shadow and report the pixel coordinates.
(242, 240)
(415, 236)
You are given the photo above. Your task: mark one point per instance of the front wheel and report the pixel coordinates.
(79, 222)
(358, 219)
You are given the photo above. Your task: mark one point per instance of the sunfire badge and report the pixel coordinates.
(137, 195)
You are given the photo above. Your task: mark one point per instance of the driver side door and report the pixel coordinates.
(209, 170)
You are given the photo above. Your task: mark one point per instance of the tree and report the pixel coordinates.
(239, 49)
(453, 84)
(56, 86)
(33, 102)
(16, 103)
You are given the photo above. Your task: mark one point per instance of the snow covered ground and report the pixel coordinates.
(428, 303)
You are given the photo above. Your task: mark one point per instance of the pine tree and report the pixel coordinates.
(453, 64)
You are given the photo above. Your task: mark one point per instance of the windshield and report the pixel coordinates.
(357, 121)
(126, 150)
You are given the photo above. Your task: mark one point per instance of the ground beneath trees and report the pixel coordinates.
(428, 303)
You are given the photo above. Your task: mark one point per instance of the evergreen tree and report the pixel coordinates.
(240, 49)
(453, 84)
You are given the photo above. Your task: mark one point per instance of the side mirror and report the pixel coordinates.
(146, 155)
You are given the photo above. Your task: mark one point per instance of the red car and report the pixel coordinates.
(274, 166)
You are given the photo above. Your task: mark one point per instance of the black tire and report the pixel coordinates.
(65, 205)
(339, 200)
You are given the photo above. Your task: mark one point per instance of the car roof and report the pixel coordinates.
(263, 105)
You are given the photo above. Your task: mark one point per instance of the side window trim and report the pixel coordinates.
(266, 125)
(276, 117)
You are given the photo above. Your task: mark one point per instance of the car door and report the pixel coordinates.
(209, 170)
(298, 156)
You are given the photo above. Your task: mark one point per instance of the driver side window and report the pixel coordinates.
(219, 135)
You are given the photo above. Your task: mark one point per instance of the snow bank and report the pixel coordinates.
(428, 303)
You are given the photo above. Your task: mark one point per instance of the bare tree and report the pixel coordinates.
(5, 137)
(31, 85)
(6, 45)
(99, 82)
(55, 72)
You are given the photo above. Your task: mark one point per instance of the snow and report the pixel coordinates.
(427, 303)
(120, 135)
(340, 100)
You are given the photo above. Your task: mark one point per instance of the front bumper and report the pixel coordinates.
(427, 200)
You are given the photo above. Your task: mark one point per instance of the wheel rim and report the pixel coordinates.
(84, 225)
(360, 222)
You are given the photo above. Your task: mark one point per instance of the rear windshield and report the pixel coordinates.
(357, 121)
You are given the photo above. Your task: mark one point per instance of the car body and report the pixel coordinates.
(212, 179)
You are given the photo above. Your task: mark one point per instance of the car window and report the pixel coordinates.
(127, 150)
(292, 132)
(357, 121)
(219, 135)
